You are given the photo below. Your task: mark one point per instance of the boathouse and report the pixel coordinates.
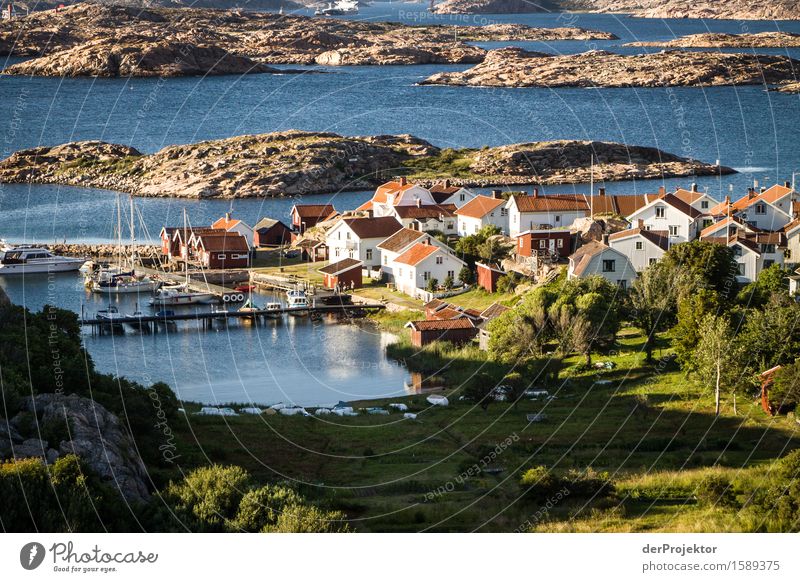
(269, 232)
(344, 274)
(457, 331)
(229, 250)
(305, 216)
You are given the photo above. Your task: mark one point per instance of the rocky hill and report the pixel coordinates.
(513, 67)
(730, 9)
(90, 39)
(296, 162)
(721, 40)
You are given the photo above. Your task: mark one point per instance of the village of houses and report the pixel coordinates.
(402, 241)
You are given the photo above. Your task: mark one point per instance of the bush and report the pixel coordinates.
(542, 484)
(715, 491)
(448, 282)
(466, 275)
(784, 394)
(433, 284)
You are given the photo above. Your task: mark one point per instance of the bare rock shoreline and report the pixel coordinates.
(723, 40)
(514, 67)
(89, 39)
(296, 163)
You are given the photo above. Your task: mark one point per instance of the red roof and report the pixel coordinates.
(315, 211)
(550, 203)
(441, 324)
(416, 254)
(480, 206)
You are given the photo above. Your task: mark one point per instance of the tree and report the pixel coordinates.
(448, 282)
(771, 281)
(712, 265)
(785, 391)
(717, 356)
(494, 249)
(479, 389)
(468, 246)
(654, 299)
(466, 275)
(692, 309)
(433, 284)
(771, 337)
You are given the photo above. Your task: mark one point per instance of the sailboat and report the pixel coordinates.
(121, 279)
(181, 293)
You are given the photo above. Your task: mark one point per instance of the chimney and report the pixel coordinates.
(447, 183)
(787, 184)
(763, 189)
(601, 192)
(605, 238)
(640, 224)
(535, 191)
(227, 216)
(750, 193)
(662, 191)
(419, 202)
(694, 186)
(497, 194)
(727, 200)
(403, 181)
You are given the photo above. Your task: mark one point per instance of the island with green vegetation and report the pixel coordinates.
(637, 410)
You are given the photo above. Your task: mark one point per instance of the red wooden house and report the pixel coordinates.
(488, 276)
(344, 274)
(305, 216)
(457, 331)
(544, 241)
(269, 232)
(229, 250)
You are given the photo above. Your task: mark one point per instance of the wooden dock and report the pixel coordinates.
(208, 317)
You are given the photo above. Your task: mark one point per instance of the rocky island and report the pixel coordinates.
(108, 40)
(514, 67)
(724, 40)
(297, 162)
(739, 10)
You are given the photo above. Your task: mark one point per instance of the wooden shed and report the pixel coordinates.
(344, 274)
(457, 331)
(269, 232)
(488, 275)
(544, 241)
(229, 250)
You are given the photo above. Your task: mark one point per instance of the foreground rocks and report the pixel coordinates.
(788, 88)
(514, 67)
(297, 162)
(721, 40)
(103, 40)
(730, 9)
(87, 430)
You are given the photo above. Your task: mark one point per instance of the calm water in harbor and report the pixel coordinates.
(744, 127)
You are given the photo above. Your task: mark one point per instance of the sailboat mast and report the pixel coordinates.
(591, 188)
(133, 237)
(119, 232)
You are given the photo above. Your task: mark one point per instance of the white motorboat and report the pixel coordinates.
(180, 295)
(338, 8)
(29, 259)
(297, 299)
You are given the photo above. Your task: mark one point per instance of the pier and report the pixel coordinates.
(206, 318)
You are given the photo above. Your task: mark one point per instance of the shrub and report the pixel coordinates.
(433, 284)
(715, 491)
(466, 275)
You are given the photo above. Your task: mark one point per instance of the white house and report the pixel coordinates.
(700, 201)
(445, 193)
(729, 226)
(482, 211)
(754, 253)
(229, 224)
(422, 262)
(426, 217)
(642, 247)
(400, 242)
(769, 209)
(669, 213)
(595, 258)
(792, 233)
(397, 193)
(358, 238)
(531, 212)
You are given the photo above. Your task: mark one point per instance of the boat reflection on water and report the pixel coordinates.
(420, 383)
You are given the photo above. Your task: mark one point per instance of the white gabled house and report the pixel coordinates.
(596, 258)
(668, 213)
(420, 263)
(642, 247)
(400, 242)
(398, 192)
(482, 211)
(792, 233)
(445, 193)
(555, 211)
(700, 201)
(427, 217)
(729, 226)
(770, 209)
(229, 224)
(358, 238)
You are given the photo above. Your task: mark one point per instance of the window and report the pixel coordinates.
(661, 212)
(439, 259)
(737, 251)
(411, 273)
(476, 228)
(450, 225)
(504, 212)
(462, 197)
(399, 272)
(336, 251)
(673, 230)
(426, 275)
(558, 218)
(451, 274)
(348, 236)
(704, 204)
(639, 245)
(623, 284)
(491, 214)
(609, 265)
(768, 263)
(221, 256)
(761, 208)
(768, 248)
(339, 235)
(542, 243)
(369, 254)
(560, 243)
(385, 260)
(652, 261)
(740, 268)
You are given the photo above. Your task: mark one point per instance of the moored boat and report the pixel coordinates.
(29, 259)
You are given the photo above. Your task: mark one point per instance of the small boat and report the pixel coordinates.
(180, 295)
(110, 318)
(297, 300)
(273, 307)
(245, 288)
(26, 260)
(220, 313)
(437, 400)
(142, 326)
(114, 282)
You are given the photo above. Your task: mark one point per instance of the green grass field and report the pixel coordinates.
(650, 429)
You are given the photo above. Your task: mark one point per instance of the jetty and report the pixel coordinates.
(206, 318)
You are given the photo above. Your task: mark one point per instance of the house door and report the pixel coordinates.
(552, 245)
